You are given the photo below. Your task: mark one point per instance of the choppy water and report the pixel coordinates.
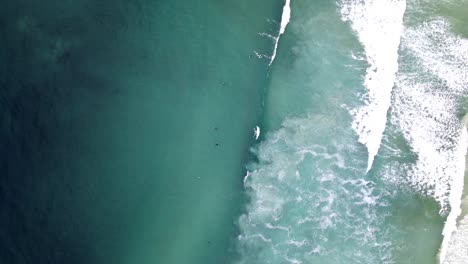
(365, 155)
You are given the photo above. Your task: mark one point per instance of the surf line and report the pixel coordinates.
(455, 196)
(285, 17)
(378, 25)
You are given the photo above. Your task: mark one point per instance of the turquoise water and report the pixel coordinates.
(312, 200)
(126, 126)
(127, 131)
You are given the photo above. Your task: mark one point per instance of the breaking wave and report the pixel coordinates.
(378, 25)
(432, 79)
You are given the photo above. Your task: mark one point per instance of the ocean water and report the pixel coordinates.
(127, 131)
(125, 127)
(364, 156)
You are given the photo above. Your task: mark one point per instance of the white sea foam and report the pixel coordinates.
(432, 78)
(455, 197)
(285, 17)
(378, 24)
(426, 106)
(457, 250)
(307, 197)
(428, 121)
(457, 246)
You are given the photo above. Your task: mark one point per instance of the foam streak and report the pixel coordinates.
(378, 25)
(455, 197)
(285, 17)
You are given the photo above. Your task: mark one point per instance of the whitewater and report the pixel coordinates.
(285, 17)
(378, 24)
(430, 123)
(371, 170)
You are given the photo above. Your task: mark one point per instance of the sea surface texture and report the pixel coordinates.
(127, 132)
(363, 160)
(125, 127)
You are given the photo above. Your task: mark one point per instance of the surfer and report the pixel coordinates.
(256, 132)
